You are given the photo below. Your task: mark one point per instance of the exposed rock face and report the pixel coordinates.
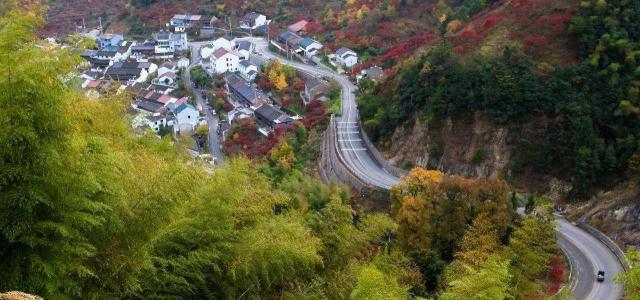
(615, 212)
(467, 147)
(18, 296)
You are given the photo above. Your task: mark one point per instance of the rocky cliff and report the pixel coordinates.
(470, 147)
(475, 147)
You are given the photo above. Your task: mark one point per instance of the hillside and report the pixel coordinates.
(108, 212)
(383, 32)
(577, 122)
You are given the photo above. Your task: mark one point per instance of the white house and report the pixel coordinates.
(248, 70)
(168, 78)
(206, 51)
(224, 61)
(166, 67)
(185, 21)
(156, 121)
(310, 47)
(223, 42)
(244, 49)
(253, 20)
(124, 51)
(346, 57)
(164, 47)
(186, 117)
(183, 63)
(179, 41)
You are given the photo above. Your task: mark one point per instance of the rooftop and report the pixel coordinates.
(306, 42)
(271, 113)
(244, 45)
(342, 51)
(219, 53)
(298, 26)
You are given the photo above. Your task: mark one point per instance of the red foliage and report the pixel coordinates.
(534, 43)
(557, 273)
(265, 84)
(490, 22)
(458, 49)
(228, 106)
(315, 114)
(407, 46)
(312, 27)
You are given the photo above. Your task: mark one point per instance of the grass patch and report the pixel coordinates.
(334, 105)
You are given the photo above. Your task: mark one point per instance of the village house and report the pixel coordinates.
(375, 73)
(168, 78)
(310, 47)
(156, 121)
(163, 46)
(179, 41)
(130, 71)
(244, 49)
(253, 20)
(143, 49)
(272, 116)
(245, 94)
(298, 27)
(346, 57)
(248, 70)
(221, 61)
(224, 42)
(316, 89)
(109, 39)
(290, 40)
(161, 89)
(186, 116)
(168, 66)
(185, 21)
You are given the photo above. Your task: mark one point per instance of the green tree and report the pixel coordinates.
(490, 281)
(48, 201)
(374, 284)
(531, 247)
(631, 277)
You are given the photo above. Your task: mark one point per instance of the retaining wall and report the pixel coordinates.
(605, 240)
(395, 171)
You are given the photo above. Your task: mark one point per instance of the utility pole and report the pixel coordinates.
(100, 20)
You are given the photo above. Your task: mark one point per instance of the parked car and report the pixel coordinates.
(600, 276)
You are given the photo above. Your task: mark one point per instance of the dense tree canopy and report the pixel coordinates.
(89, 210)
(592, 107)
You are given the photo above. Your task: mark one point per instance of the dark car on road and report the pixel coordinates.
(600, 276)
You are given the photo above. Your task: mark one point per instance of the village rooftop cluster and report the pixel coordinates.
(157, 72)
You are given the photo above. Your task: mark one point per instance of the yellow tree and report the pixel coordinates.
(281, 82)
(282, 155)
(273, 76)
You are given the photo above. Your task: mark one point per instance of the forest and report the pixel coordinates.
(592, 139)
(90, 211)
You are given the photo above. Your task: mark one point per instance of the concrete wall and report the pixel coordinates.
(378, 156)
(605, 240)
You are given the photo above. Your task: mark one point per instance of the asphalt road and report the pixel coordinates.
(212, 121)
(352, 149)
(586, 254)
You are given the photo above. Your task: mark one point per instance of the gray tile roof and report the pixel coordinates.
(342, 51)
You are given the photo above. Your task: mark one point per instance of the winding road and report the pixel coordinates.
(585, 253)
